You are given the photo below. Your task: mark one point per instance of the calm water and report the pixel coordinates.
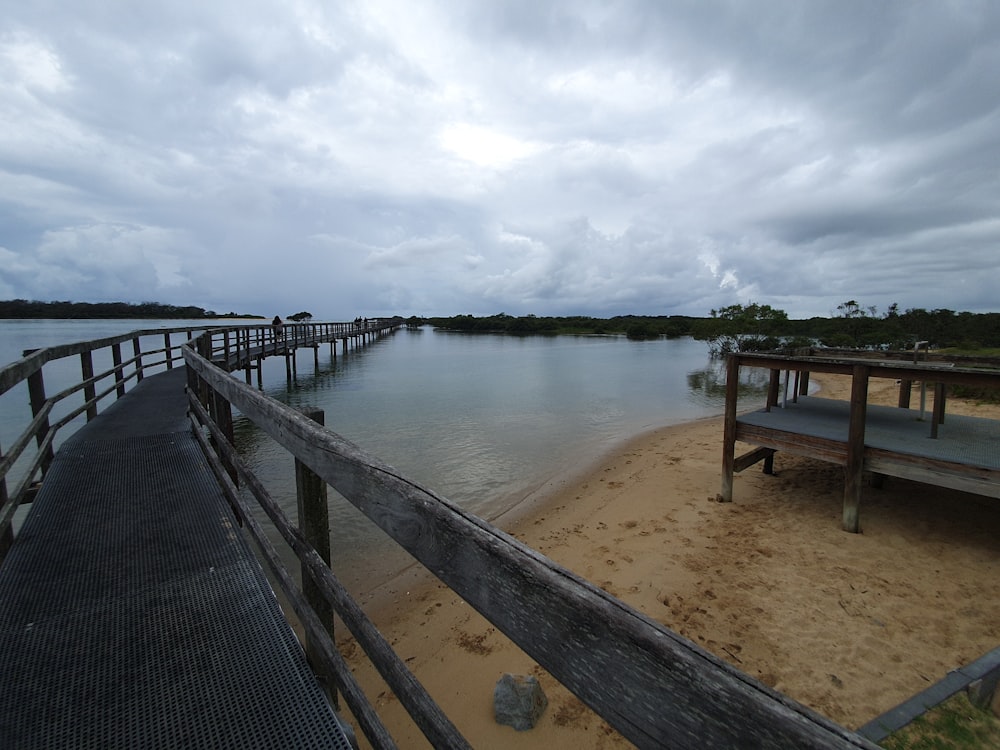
(483, 420)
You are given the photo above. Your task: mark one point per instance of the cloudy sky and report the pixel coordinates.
(520, 156)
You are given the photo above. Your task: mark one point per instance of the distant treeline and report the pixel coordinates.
(638, 326)
(857, 326)
(22, 308)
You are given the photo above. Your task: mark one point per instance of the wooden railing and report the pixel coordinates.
(244, 347)
(655, 687)
(81, 397)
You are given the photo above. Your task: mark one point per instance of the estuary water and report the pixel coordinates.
(483, 420)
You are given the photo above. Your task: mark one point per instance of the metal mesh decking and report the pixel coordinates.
(132, 613)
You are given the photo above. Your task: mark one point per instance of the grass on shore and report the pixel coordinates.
(954, 725)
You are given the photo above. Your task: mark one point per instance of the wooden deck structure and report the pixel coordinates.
(958, 452)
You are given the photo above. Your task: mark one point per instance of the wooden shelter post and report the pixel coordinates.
(168, 352)
(855, 448)
(729, 428)
(772, 388)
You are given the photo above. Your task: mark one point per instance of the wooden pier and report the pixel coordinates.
(131, 612)
(958, 452)
(246, 348)
(653, 686)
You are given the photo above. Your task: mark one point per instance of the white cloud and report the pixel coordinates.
(444, 157)
(485, 147)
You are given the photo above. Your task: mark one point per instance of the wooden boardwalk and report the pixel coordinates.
(132, 612)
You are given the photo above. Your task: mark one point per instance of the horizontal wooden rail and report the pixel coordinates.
(332, 661)
(655, 687)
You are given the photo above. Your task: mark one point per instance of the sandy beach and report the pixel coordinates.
(847, 624)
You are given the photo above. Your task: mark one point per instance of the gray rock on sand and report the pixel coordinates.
(518, 701)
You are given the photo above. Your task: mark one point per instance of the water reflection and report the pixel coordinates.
(481, 420)
(709, 382)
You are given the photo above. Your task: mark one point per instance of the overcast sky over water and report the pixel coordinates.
(557, 158)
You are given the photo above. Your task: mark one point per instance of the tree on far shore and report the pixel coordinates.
(742, 328)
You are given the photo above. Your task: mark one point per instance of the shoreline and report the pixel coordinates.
(849, 625)
(381, 600)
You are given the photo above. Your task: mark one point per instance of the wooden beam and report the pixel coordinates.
(749, 458)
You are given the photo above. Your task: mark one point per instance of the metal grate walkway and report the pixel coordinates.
(132, 611)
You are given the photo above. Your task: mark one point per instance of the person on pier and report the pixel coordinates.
(278, 327)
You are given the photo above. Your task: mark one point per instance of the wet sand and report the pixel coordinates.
(847, 624)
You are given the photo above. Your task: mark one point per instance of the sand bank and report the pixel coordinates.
(847, 624)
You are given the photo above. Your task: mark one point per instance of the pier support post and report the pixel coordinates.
(36, 395)
(89, 392)
(314, 523)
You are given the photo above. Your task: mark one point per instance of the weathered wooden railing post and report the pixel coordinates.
(89, 391)
(314, 523)
(225, 347)
(137, 351)
(244, 336)
(168, 351)
(7, 535)
(204, 348)
(855, 448)
(116, 358)
(223, 413)
(36, 395)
